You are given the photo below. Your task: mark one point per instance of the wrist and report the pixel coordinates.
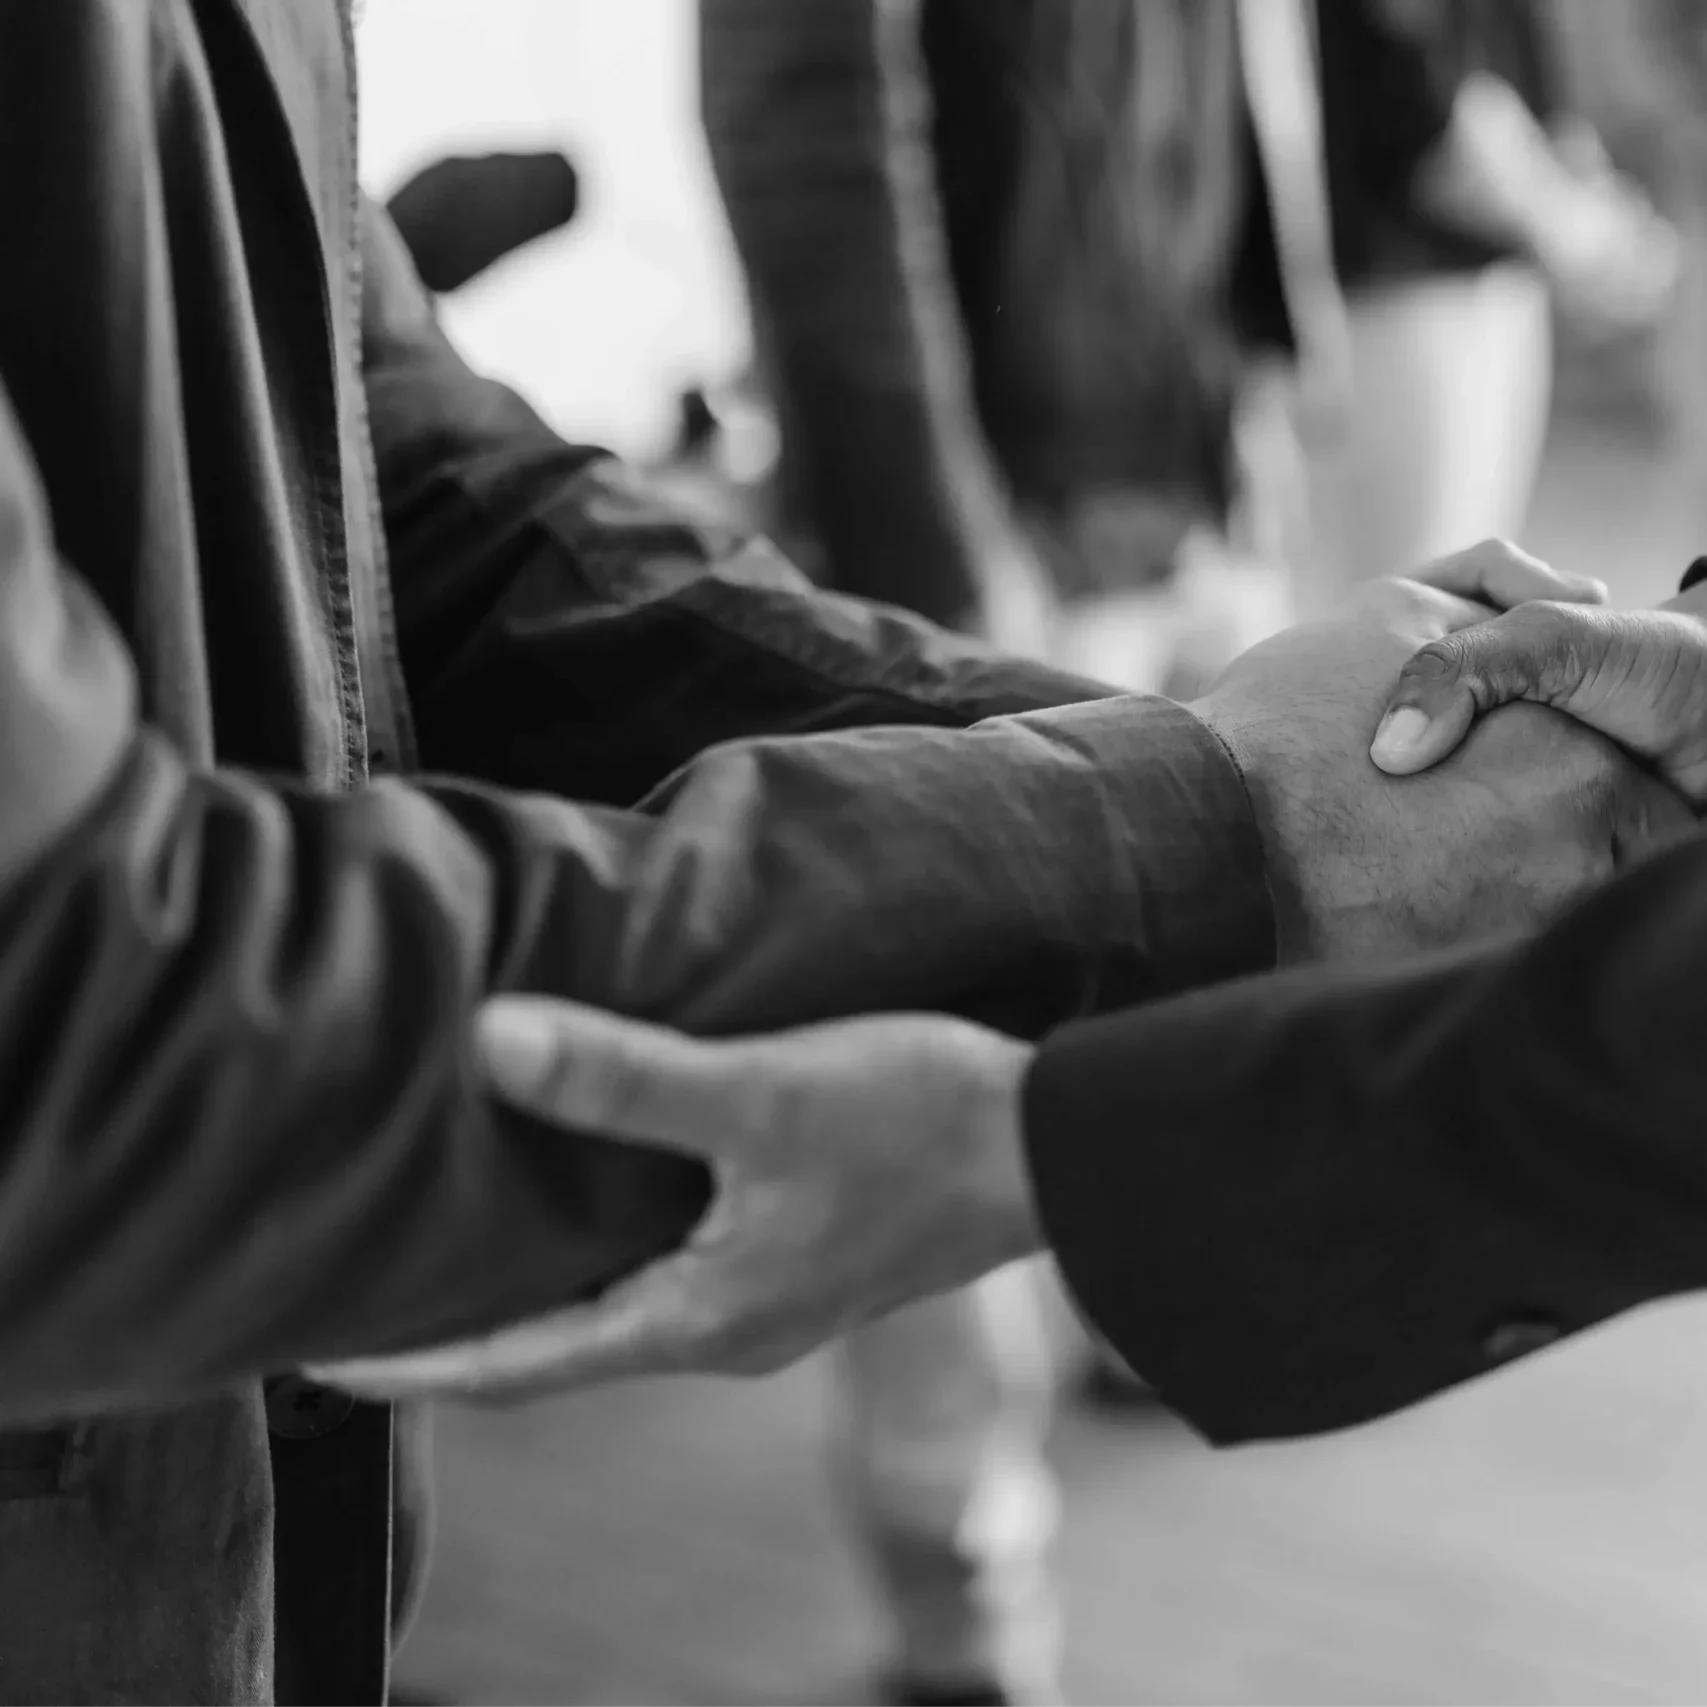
(1003, 1202)
(1249, 739)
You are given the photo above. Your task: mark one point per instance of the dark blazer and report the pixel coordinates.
(269, 555)
(1299, 1202)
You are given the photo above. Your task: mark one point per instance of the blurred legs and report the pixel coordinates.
(941, 1453)
(1452, 383)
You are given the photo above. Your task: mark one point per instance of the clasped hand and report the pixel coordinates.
(1518, 815)
(1639, 677)
(865, 1163)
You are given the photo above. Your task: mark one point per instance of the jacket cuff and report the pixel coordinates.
(1141, 1191)
(1263, 1195)
(1190, 891)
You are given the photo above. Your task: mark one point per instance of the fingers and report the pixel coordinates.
(632, 1330)
(1539, 652)
(1495, 572)
(586, 1068)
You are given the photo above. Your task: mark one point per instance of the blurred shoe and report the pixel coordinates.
(904, 1691)
(936, 1695)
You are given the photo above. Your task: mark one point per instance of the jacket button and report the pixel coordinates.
(300, 1409)
(1518, 1337)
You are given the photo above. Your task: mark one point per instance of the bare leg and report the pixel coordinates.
(1452, 380)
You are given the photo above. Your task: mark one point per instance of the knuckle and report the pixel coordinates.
(698, 1336)
(1543, 619)
(1505, 552)
(555, 1083)
(1437, 661)
(502, 1397)
(539, 1077)
(736, 1349)
(621, 1089)
(747, 1343)
(753, 1357)
(1488, 562)
(1549, 643)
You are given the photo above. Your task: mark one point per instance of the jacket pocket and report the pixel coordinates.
(36, 1463)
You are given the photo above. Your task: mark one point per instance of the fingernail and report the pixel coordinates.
(1595, 591)
(515, 1041)
(1401, 730)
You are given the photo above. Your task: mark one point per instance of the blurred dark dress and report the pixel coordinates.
(1389, 70)
(1109, 244)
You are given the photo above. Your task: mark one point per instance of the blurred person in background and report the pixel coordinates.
(1071, 279)
(978, 288)
(1465, 204)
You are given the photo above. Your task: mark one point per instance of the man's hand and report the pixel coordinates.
(1639, 677)
(863, 1164)
(1530, 812)
(859, 1166)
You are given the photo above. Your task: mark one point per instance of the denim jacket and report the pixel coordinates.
(336, 692)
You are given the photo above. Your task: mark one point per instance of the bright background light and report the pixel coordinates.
(603, 324)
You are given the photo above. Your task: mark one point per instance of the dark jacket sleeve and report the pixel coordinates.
(239, 1123)
(1297, 1203)
(563, 629)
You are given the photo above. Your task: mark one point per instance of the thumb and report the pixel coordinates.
(587, 1068)
(1533, 653)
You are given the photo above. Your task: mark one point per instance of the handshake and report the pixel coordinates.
(1515, 816)
(867, 1162)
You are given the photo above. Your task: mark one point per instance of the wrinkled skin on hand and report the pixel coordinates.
(1637, 676)
(1530, 811)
